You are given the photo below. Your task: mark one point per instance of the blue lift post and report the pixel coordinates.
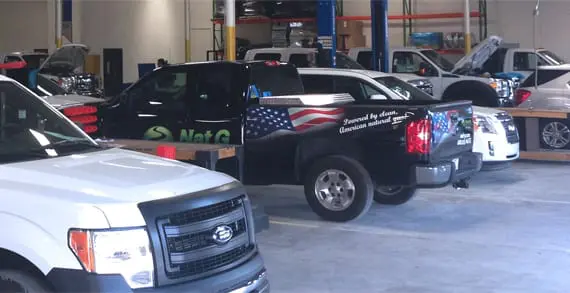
(380, 45)
(326, 28)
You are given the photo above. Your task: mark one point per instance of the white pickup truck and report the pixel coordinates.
(78, 217)
(428, 63)
(496, 136)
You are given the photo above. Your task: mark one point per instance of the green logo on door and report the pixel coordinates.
(158, 133)
(161, 133)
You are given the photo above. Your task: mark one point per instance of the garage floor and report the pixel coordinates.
(510, 232)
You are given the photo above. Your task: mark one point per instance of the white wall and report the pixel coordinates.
(24, 25)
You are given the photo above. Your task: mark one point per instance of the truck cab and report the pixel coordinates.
(86, 218)
(329, 142)
(447, 83)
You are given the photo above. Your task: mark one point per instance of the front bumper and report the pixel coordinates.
(446, 172)
(250, 277)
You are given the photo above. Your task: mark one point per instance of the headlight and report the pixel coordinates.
(483, 124)
(501, 87)
(125, 252)
(67, 83)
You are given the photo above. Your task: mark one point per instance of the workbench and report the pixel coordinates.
(205, 155)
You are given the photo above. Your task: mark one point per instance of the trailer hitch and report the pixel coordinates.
(461, 184)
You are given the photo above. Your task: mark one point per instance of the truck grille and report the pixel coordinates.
(198, 242)
(509, 126)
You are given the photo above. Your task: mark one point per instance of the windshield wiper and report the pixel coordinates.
(71, 142)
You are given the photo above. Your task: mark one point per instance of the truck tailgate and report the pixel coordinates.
(452, 130)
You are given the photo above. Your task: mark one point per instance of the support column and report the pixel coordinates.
(58, 23)
(326, 28)
(52, 20)
(230, 29)
(467, 26)
(187, 48)
(380, 44)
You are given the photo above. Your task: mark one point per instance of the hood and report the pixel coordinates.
(484, 111)
(72, 55)
(479, 54)
(408, 77)
(110, 176)
(64, 101)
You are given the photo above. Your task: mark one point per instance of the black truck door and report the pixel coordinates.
(157, 106)
(217, 104)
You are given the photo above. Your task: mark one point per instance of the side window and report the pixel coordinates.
(369, 91)
(215, 92)
(409, 62)
(343, 61)
(166, 87)
(267, 56)
(525, 61)
(351, 86)
(317, 84)
(300, 60)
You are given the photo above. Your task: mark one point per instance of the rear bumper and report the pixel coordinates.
(247, 278)
(445, 173)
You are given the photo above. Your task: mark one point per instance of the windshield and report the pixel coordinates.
(34, 61)
(552, 58)
(31, 130)
(403, 89)
(438, 59)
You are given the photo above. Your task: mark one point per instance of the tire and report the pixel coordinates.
(478, 93)
(548, 130)
(396, 196)
(340, 171)
(16, 282)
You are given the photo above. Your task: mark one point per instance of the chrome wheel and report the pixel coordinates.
(556, 135)
(389, 190)
(334, 190)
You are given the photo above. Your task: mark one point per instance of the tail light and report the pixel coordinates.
(85, 115)
(521, 96)
(418, 136)
(272, 63)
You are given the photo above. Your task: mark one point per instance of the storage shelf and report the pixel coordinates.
(252, 20)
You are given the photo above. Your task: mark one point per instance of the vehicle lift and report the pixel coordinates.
(326, 29)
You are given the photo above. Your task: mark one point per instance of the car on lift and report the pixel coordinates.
(33, 60)
(495, 136)
(338, 148)
(85, 218)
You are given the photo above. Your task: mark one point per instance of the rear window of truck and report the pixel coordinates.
(275, 80)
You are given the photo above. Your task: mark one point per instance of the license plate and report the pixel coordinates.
(456, 163)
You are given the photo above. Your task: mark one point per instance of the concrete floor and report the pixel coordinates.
(510, 232)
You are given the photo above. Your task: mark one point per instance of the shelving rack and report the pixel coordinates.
(406, 17)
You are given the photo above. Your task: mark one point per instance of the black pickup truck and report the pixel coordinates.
(339, 148)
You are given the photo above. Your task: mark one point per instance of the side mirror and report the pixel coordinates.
(378, 97)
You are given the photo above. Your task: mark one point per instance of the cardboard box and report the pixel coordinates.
(349, 27)
(93, 64)
(351, 41)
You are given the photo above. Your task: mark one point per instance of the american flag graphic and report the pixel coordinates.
(442, 124)
(262, 121)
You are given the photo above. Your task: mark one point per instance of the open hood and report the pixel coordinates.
(479, 54)
(69, 55)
